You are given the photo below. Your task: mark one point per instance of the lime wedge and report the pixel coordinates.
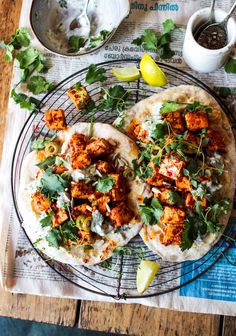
(126, 74)
(145, 274)
(151, 72)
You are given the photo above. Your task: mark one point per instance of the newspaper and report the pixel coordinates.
(22, 269)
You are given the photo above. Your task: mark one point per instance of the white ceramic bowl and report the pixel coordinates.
(44, 15)
(199, 58)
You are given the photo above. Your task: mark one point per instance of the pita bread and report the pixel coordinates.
(103, 246)
(218, 121)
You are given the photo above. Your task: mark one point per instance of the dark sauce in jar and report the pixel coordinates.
(214, 37)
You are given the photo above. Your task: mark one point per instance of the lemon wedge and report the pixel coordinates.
(151, 72)
(126, 74)
(145, 274)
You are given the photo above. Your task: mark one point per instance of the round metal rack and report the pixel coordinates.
(116, 277)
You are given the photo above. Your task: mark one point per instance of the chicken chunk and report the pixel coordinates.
(102, 204)
(193, 139)
(190, 202)
(85, 238)
(80, 160)
(79, 96)
(196, 120)
(140, 133)
(40, 203)
(172, 235)
(171, 167)
(99, 147)
(78, 142)
(104, 167)
(172, 215)
(55, 120)
(83, 209)
(216, 141)
(81, 190)
(176, 120)
(164, 196)
(59, 217)
(119, 189)
(121, 214)
(183, 184)
(59, 169)
(157, 179)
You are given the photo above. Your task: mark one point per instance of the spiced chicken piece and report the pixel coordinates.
(121, 214)
(196, 120)
(55, 120)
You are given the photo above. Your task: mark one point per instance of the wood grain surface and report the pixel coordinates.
(111, 317)
(139, 320)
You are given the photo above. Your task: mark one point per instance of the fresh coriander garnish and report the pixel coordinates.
(75, 43)
(169, 106)
(230, 66)
(151, 211)
(95, 41)
(38, 84)
(53, 238)
(25, 102)
(20, 39)
(105, 184)
(46, 221)
(40, 143)
(151, 41)
(50, 161)
(52, 184)
(114, 98)
(95, 74)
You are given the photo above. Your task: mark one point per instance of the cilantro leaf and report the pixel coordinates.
(151, 211)
(27, 57)
(38, 84)
(69, 231)
(53, 238)
(21, 38)
(105, 184)
(166, 52)
(97, 40)
(160, 131)
(175, 198)
(52, 184)
(169, 106)
(190, 233)
(75, 43)
(40, 143)
(50, 161)
(24, 101)
(149, 40)
(114, 98)
(95, 74)
(169, 26)
(8, 56)
(89, 107)
(230, 66)
(46, 221)
(88, 247)
(197, 106)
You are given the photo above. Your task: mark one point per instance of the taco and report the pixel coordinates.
(187, 161)
(78, 195)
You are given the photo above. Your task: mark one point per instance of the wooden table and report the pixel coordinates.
(110, 317)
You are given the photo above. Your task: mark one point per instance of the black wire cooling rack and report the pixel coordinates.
(116, 278)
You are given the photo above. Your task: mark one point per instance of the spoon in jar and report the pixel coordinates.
(81, 23)
(214, 36)
(209, 21)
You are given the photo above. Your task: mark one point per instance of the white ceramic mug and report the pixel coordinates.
(199, 58)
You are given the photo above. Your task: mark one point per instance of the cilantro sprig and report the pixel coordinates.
(151, 211)
(151, 41)
(31, 62)
(95, 74)
(105, 184)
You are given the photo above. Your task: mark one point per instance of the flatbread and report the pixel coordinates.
(218, 121)
(102, 248)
